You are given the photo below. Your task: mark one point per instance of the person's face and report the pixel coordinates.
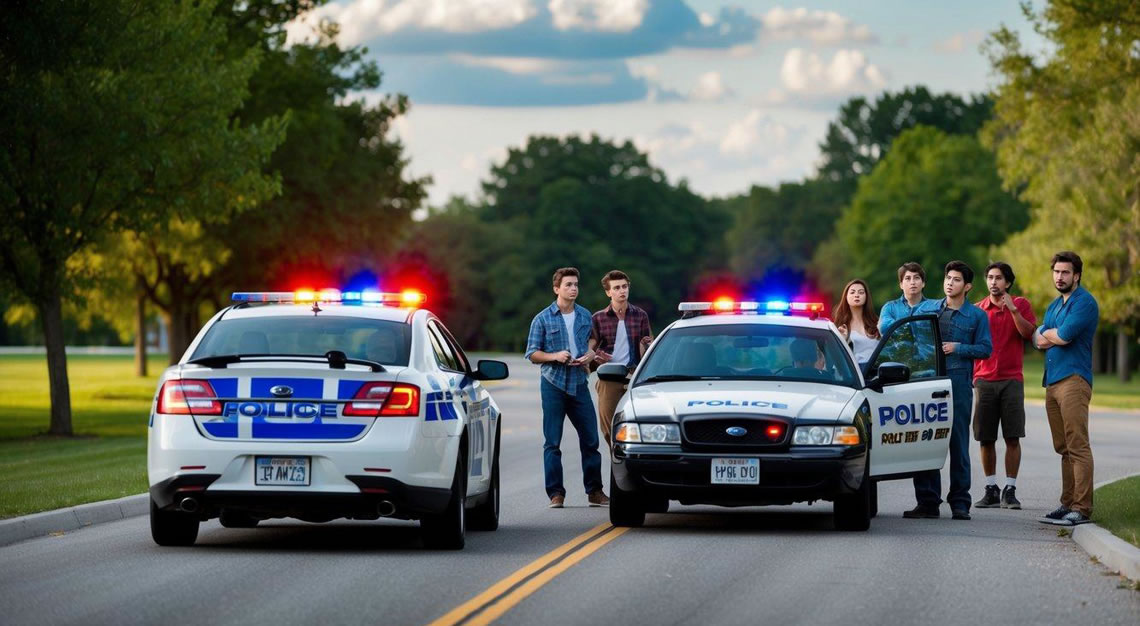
(856, 295)
(995, 281)
(954, 285)
(1063, 277)
(568, 288)
(618, 291)
(820, 360)
(912, 283)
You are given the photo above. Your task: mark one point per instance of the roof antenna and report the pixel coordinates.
(316, 309)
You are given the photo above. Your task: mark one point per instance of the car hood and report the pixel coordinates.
(677, 400)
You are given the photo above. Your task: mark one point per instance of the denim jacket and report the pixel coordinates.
(548, 334)
(969, 328)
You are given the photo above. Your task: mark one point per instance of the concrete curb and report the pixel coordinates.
(73, 518)
(1112, 551)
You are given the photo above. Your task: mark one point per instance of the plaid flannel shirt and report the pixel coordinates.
(605, 323)
(548, 334)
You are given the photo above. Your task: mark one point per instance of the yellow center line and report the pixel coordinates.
(490, 598)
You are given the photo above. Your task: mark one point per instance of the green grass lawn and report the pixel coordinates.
(1117, 508)
(1108, 391)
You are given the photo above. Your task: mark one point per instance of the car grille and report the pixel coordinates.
(714, 432)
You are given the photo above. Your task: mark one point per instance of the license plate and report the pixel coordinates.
(281, 470)
(735, 471)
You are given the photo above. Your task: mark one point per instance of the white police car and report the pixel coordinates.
(322, 405)
(755, 403)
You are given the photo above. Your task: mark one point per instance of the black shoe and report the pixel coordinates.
(922, 511)
(992, 498)
(1073, 518)
(1055, 516)
(962, 514)
(1009, 498)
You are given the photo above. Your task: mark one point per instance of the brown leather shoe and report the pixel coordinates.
(598, 498)
(557, 501)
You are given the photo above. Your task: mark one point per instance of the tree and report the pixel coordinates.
(1067, 132)
(933, 199)
(111, 114)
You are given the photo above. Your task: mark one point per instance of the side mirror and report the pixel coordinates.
(491, 370)
(889, 374)
(614, 373)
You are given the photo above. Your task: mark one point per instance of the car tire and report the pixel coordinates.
(447, 530)
(626, 509)
(172, 528)
(236, 519)
(874, 498)
(486, 515)
(853, 510)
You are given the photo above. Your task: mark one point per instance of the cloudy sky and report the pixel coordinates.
(724, 93)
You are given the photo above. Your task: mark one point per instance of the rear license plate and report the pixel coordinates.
(727, 471)
(281, 470)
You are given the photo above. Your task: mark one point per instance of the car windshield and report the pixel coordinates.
(381, 341)
(749, 352)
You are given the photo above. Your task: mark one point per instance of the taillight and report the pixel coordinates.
(384, 400)
(188, 397)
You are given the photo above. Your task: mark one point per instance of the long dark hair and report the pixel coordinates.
(870, 317)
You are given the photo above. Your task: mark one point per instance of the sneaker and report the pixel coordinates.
(1073, 518)
(1009, 498)
(1055, 516)
(991, 499)
(961, 514)
(598, 498)
(557, 501)
(922, 511)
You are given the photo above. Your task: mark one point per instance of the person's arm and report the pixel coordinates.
(980, 346)
(885, 318)
(1039, 340)
(536, 340)
(646, 339)
(1023, 318)
(1083, 318)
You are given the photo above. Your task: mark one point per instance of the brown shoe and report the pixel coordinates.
(598, 498)
(557, 501)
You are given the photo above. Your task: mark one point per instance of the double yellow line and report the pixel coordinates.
(508, 592)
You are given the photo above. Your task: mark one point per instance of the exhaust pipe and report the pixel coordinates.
(189, 505)
(385, 508)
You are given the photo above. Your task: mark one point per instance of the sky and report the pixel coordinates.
(721, 93)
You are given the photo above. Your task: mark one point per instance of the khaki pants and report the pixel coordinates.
(1067, 405)
(608, 396)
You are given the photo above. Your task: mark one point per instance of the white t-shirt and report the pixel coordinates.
(863, 346)
(621, 344)
(568, 319)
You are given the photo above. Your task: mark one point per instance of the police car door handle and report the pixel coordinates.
(940, 394)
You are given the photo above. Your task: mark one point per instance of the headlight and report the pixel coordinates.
(631, 432)
(826, 436)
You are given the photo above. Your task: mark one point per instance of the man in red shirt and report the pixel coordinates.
(999, 386)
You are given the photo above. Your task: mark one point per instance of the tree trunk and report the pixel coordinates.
(140, 334)
(177, 337)
(51, 314)
(1123, 367)
(1097, 354)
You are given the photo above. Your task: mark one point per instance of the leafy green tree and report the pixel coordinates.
(114, 115)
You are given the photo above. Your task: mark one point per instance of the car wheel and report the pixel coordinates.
(853, 510)
(447, 530)
(626, 509)
(236, 519)
(172, 528)
(486, 515)
(874, 498)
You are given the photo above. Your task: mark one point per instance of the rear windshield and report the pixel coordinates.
(751, 352)
(358, 338)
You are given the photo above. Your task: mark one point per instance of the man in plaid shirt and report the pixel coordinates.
(559, 341)
(621, 332)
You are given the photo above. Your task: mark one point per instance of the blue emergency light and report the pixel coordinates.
(405, 298)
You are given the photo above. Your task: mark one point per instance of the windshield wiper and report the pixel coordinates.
(335, 359)
(664, 378)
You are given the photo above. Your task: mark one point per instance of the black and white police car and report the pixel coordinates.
(758, 403)
(325, 405)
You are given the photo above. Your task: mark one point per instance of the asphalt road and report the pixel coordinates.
(693, 565)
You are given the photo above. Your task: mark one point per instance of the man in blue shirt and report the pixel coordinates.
(965, 331)
(559, 340)
(1066, 336)
(912, 279)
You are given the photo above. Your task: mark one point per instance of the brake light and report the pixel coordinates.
(188, 397)
(384, 400)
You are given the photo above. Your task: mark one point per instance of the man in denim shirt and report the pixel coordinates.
(965, 333)
(559, 341)
(912, 278)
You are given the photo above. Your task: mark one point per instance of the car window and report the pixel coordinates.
(382, 341)
(751, 352)
(443, 353)
(913, 345)
(461, 357)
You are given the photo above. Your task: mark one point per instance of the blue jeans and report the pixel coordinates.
(928, 485)
(557, 404)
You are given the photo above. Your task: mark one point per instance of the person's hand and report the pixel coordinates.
(843, 331)
(603, 357)
(583, 360)
(949, 347)
(1041, 342)
(563, 357)
(646, 340)
(1007, 302)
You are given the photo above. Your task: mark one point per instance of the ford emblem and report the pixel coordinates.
(736, 431)
(281, 391)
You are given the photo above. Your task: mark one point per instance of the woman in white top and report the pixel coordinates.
(857, 321)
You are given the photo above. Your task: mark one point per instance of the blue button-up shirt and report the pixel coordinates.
(895, 310)
(968, 326)
(548, 334)
(1076, 322)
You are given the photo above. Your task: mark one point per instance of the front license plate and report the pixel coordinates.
(735, 471)
(281, 470)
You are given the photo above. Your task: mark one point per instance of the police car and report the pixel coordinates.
(325, 405)
(758, 403)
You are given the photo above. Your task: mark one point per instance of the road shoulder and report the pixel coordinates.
(35, 525)
(1112, 551)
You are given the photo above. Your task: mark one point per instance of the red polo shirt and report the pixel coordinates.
(1009, 347)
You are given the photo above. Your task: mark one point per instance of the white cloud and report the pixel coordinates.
(754, 134)
(960, 42)
(847, 72)
(361, 20)
(604, 15)
(706, 19)
(822, 28)
(513, 65)
(710, 88)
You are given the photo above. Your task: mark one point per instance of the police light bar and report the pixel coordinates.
(406, 298)
(770, 307)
